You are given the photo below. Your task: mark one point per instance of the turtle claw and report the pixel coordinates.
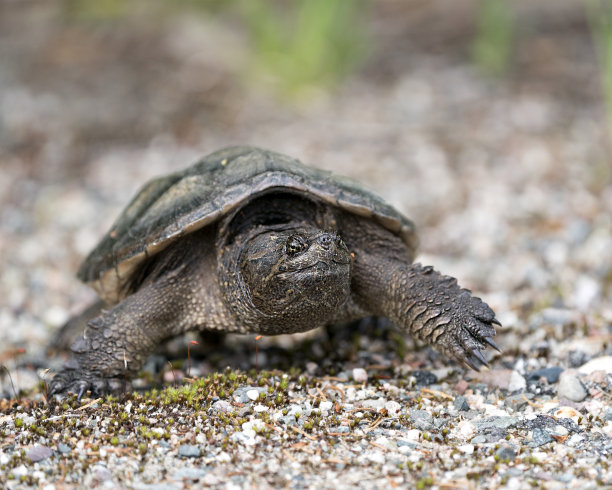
(478, 355)
(471, 364)
(490, 342)
(80, 383)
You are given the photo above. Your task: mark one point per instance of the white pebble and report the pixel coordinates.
(253, 394)
(360, 375)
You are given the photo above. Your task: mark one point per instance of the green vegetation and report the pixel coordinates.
(600, 19)
(307, 43)
(493, 44)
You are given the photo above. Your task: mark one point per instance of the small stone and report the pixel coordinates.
(517, 402)
(461, 386)
(376, 404)
(559, 316)
(38, 453)
(559, 431)
(466, 429)
(466, 448)
(577, 358)
(479, 440)
(517, 382)
(393, 408)
(252, 395)
(101, 473)
(506, 453)
(608, 415)
(568, 413)
(461, 404)
(360, 375)
(191, 474)
(571, 388)
(603, 363)
(342, 429)
(424, 378)
(539, 437)
(587, 291)
(495, 378)
(423, 420)
(496, 423)
(189, 451)
(326, 406)
(551, 374)
(63, 448)
(241, 394)
(222, 406)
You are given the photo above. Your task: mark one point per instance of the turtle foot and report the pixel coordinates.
(82, 382)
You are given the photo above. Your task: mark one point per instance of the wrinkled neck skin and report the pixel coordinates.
(282, 268)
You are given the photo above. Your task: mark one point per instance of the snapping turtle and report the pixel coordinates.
(247, 240)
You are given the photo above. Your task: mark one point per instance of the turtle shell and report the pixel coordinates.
(180, 203)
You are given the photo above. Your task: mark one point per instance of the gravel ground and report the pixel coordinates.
(510, 183)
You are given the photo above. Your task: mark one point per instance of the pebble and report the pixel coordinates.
(516, 382)
(189, 451)
(191, 474)
(540, 437)
(253, 395)
(603, 363)
(393, 408)
(518, 401)
(326, 406)
(461, 404)
(63, 448)
(247, 394)
(423, 420)
(577, 358)
(551, 374)
(101, 473)
(570, 387)
(424, 378)
(222, 406)
(376, 404)
(495, 378)
(466, 448)
(39, 453)
(559, 316)
(360, 375)
(506, 453)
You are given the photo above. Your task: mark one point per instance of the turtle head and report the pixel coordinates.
(301, 276)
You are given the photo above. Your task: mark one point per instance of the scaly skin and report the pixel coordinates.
(434, 309)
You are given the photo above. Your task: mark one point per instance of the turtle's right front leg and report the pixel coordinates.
(116, 344)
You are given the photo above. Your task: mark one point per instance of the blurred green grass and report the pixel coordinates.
(494, 40)
(599, 13)
(295, 46)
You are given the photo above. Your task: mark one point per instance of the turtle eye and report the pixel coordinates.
(295, 244)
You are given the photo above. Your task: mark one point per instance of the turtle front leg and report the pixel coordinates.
(116, 344)
(432, 308)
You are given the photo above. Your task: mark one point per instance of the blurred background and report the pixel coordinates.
(487, 122)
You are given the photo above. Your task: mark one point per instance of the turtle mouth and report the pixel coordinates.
(321, 267)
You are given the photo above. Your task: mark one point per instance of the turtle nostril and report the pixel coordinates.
(326, 241)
